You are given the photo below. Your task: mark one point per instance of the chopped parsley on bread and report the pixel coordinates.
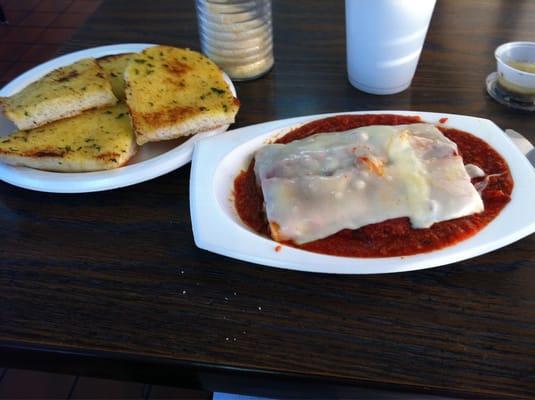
(174, 92)
(98, 139)
(114, 66)
(62, 93)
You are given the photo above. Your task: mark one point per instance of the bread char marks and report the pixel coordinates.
(177, 68)
(40, 153)
(167, 116)
(52, 152)
(64, 77)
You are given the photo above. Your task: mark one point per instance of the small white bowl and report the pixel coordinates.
(510, 78)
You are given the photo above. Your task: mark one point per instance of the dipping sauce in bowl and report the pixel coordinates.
(523, 66)
(516, 68)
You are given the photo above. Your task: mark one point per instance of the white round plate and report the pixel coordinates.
(217, 228)
(151, 161)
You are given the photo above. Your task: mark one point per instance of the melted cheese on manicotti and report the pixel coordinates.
(327, 182)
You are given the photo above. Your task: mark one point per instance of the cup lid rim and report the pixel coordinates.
(501, 48)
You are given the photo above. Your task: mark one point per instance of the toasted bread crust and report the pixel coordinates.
(191, 127)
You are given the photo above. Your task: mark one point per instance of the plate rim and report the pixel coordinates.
(95, 181)
(203, 209)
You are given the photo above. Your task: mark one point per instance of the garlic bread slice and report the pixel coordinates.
(114, 66)
(95, 140)
(62, 93)
(174, 92)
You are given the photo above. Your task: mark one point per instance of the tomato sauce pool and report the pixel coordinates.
(394, 237)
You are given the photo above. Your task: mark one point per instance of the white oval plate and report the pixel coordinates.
(152, 159)
(217, 228)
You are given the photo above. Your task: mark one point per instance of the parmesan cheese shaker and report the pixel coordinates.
(237, 35)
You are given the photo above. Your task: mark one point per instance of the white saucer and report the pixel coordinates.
(506, 98)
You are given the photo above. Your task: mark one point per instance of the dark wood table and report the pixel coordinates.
(111, 284)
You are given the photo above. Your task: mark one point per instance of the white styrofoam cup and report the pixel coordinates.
(384, 42)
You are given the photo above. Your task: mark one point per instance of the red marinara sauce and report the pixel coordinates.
(394, 237)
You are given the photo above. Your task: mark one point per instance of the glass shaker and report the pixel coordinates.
(237, 35)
